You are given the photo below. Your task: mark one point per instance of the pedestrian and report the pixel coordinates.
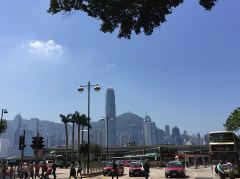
(19, 171)
(44, 169)
(220, 170)
(37, 168)
(4, 170)
(1, 169)
(114, 169)
(230, 169)
(54, 167)
(72, 172)
(48, 172)
(11, 171)
(30, 170)
(7, 173)
(25, 170)
(79, 169)
(146, 168)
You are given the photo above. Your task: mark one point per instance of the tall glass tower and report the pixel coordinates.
(111, 115)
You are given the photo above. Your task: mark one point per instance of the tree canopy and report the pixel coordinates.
(3, 126)
(127, 16)
(233, 121)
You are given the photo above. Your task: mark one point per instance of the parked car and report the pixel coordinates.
(107, 168)
(175, 169)
(136, 169)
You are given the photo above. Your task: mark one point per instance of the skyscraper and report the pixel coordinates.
(167, 134)
(176, 135)
(167, 130)
(17, 133)
(149, 130)
(111, 115)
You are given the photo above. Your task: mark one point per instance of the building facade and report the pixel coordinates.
(110, 119)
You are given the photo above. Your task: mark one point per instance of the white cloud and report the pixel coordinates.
(45, 49)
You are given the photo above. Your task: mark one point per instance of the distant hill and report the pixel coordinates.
(129, 129)
(126, 120)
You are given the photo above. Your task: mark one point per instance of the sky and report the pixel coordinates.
(186, 74)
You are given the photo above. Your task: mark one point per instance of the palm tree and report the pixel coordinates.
(65, 120)
(3, 126)
(81, 121)
(73, 120)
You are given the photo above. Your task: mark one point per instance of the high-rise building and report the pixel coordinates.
(149, 130)
(133, 138)
(160, 136)
(34, 125)
(4, 145)
(167, 136)
(17, 133)
(111, 115)
(176, 137)
(167, 130)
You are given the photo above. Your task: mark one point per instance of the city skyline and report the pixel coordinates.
(160, 127)
(184, 74)
(140, 131)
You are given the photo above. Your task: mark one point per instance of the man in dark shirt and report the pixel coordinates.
(54, 167)
(114, 170)
(146, 168)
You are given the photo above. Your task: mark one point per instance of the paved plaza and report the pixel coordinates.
(155, 173)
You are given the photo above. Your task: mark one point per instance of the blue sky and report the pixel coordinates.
(186, 74)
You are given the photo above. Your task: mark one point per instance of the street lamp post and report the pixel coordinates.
(106, 134)
(80, 89)
(81, 142)
(3, 111)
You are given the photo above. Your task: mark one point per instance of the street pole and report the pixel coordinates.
(22, 155)
(80, 89)
(36, 154)
(107, 136)
(88, 154)
(160, 158)
(185, 159)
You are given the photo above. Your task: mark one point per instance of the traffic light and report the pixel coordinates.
(37, 143)
(40, 142)
(34, 143)
(21, 142)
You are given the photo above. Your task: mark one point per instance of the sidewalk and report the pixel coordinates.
(64, 173)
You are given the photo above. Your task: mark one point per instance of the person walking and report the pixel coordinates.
(114, 169)
(146, 168)
(230, 169)
(37, 169)
(72, 172)
(44, 169)
(79, 169)
(54, 168)
(31, 171)
(220, 170)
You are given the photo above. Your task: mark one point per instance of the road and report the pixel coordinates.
(201, 173)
